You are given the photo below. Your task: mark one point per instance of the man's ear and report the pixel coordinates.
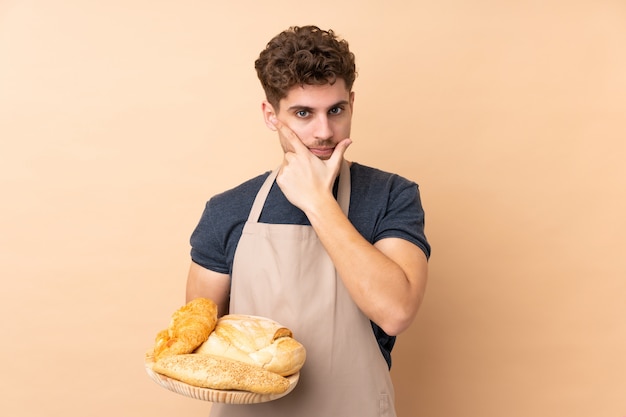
(352, 102)
(268, 114)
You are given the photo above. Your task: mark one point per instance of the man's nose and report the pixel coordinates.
(323, 128)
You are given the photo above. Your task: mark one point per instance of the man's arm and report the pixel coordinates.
(202, 282)
(386, 280)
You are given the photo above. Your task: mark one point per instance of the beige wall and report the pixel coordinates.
(118, 119)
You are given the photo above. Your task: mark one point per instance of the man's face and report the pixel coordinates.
(320, 115)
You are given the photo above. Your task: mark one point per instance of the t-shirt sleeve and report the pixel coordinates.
(207, 247)
(215, 238)
(404, 217)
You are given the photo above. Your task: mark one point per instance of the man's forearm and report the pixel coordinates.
(386, 284)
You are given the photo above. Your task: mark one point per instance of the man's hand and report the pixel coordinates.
(304, 178)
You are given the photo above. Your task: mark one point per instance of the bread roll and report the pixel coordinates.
(255, 340)
(209, 371)
(189, 326)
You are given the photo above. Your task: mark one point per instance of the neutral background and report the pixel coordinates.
(120, 118)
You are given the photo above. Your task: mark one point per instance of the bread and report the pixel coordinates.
(189, 327)
(209, 371)
(236, 352)
(256, 340)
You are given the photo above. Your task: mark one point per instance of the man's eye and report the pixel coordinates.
(302, 113)
(335, 110)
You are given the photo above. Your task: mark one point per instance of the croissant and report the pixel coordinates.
(189, 327)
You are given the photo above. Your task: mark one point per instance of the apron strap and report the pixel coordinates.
(259, 201)
(343, 192)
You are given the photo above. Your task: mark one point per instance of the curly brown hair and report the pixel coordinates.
(303, 55)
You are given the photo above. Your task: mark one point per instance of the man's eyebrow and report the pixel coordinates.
(300, 107)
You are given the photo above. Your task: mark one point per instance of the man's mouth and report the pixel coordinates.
(322, 152)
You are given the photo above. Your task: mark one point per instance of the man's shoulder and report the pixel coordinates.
(363, 174)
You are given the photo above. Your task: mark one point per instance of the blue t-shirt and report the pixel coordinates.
(382, 205)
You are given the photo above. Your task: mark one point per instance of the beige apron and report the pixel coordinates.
(283, 272)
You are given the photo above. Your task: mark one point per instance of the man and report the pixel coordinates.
(332, 249)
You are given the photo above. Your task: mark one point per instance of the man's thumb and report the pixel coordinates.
(341, 148)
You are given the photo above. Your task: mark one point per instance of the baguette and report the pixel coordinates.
(209, 371)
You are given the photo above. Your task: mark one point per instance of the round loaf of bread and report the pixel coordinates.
(255, 340)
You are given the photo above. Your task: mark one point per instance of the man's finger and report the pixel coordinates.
(293, 139)
(339, 151)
